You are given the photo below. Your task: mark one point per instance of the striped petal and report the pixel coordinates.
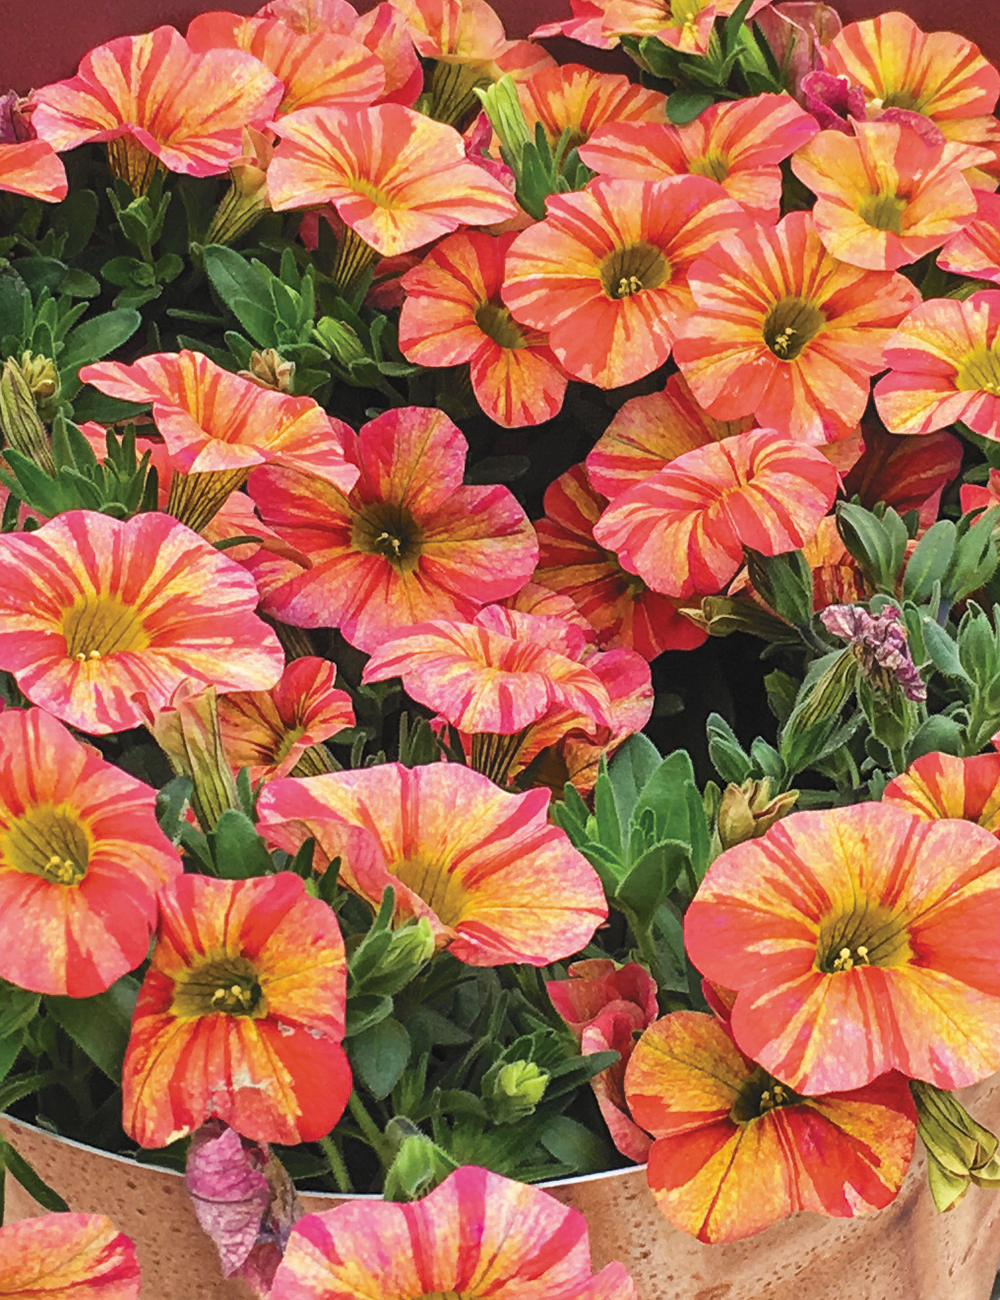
(941, 785)
(975, 251)
(32, 169)
(67, 1257)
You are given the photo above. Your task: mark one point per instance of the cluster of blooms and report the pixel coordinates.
(844, 949)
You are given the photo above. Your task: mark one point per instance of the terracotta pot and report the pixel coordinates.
(905, 1251)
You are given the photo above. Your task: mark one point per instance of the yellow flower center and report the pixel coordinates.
(97, 626)
(980, 370)
(866, 935)
(760, 1094)
(47, 841)
(387, 528)
(790, 326)
(433, 881)
(903, 98)
(626, 271)
(684, 12)
(226, 985)
(883, 211)
(371, 191)
(496, 321)
(714, 165)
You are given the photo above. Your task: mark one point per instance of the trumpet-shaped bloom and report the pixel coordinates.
(269, 731)
(618, 604)
(211, 419)
(736, 1150)
(497, 882)
(739, 145)
(858, 941)
(786, 332)
(478, 1234)
(606, 273)
(683, 530)
(582, 100)
(975, 250)
(396, 178)
(945, 366)
(886, 196)
(67, 1257)
(408, 543)
(939, 74)
(482, 680)
(648, 432)
(453, 314)
(905, 474)
(684, 25)
(186, 109)
(81, 860)
(32, 169)
(941, 785)
(317, 69)
(93, 610)
(240, 1016)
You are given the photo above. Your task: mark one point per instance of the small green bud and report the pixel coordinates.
(514, 1089)
(409, 950)
(959, 1150)
(419, 1164)
(746, 811)
(339, 340)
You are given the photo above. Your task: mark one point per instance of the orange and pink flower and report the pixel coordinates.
(886, 196)
(158, 103)
(684, 25)
(858, 941)
(408, 543)
(32, 169)
(94, 610)
(495, 880)
(81, 861)
(67, 1257)
(941, 785)
(736, 1150)
(395, 177)
(684, 530)
(581, 100)
(270, 731)
(477, 1234)
(944, 361)
(453, 315)
(740, 145)
(787, 333)
(606, 272)
(240, 1016)
(975, 250)
(906, 474)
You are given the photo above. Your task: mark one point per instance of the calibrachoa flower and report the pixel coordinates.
(975, 250)
(684, 529)
(739, 145)
(648, 432)
(33, 169)
(453, 314)
(316, 70)
(944, 361)
(270, 731)
(886, 196)
(572, 96)
(240, 1016)
(408, 543)
(857, 940)
(81, 860)
(93, 610)
(157, 101)
(939, 74)
(478, 1234)
(497, 882)
(684, 25)
(606, 272)
(786, 332)
(736, 1150)
(941, 785)
(905, 473)
(879, 644)
(396, 178)
(618, 604)
(67, 1257)
(586, 25)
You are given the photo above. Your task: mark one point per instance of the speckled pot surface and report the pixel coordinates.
(905, 1252)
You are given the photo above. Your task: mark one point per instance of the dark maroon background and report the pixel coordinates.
(43, 40)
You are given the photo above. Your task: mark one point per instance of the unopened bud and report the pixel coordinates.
(419, 1164)
(41, 376)
(269, 369)
(20, 423)
(188, 733)
(339, 340)
(503, 108)
(746, 811)
(959, 1150)
(514, 1089)
(410, 949)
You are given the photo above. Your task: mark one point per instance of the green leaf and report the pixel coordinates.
(577, 1146)
(942, 650)
(235, 281)
(664, 794)
(684, 106)
(609, 831)
(727, 755)
(652, 878)
(17, 1008)
(37, 1189)
(930, 561)
(99, 1024)
(365, 1010)
(629, 770)
(380, 1055)
(238, 851)
(93, 339)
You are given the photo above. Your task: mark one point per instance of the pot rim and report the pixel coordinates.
(574, 1181)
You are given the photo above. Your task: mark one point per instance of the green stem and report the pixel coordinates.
(337, 1165)
(371, 1131)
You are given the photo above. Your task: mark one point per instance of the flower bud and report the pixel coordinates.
(188, 733)
(959, 1151)
(410, 949)
(246, 201)
(41, 376)
(339, 340)
(746, 811)
(20, 423)
(269, 369)
(419, 1165)
(514, 1089)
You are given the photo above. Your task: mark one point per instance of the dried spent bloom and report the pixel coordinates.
(878, 641)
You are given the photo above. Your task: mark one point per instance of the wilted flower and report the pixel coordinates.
(878, 641)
